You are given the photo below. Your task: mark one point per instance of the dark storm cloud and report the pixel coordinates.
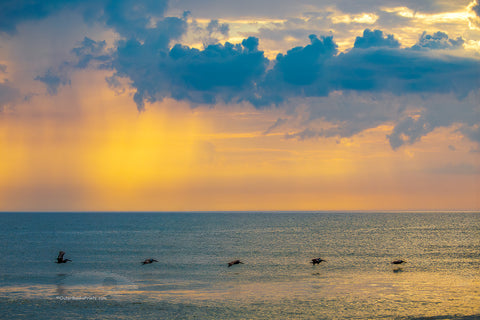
(148, 58)
(299, 72)
(382, 68)
(378, 66)
(302, 65)
(220, 71)
(136, 56)
(239, 72)
(402, 71)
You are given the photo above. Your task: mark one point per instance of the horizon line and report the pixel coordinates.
(249, 211)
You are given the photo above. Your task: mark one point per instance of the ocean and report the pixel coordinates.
(191, 280)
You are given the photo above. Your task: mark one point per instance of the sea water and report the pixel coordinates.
(191, 280)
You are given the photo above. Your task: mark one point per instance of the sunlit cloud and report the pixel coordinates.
(364, 18)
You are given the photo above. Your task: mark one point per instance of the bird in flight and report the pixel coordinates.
(148, 261)
(60, 258)
(317, 261)
(231, 263)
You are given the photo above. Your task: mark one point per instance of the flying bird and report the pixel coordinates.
(317, 261)
(148, 261)
(60, 258)
(234, 262)
(398, 262)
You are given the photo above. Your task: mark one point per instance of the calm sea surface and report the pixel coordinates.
(106, 280)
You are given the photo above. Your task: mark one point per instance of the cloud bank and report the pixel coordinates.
(233, 73)
(151, 58)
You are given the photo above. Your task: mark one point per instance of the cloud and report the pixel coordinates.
(13, 12)
(211, 33)
(375, 39)
(129, 18)
(149, 56)
(302, 65)
(300, 72)
(350, 112)
(238, 72)
(53, 80)
(438, 111)
(134, 58)
(132, 18)
(90, 51)
(316, 70)
(408, 130)
(233, 73)
(439, 40)
(227, 72)
(401, 71)
(476, 8)
(304, 134)
(280, 122)
(215, 26)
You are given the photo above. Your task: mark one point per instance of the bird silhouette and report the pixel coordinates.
(148, 261)
(60, 258)
(317, 261)
(231, 263)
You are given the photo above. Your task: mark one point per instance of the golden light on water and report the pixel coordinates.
(404, 294)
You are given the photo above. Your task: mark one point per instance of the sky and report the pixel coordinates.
(157, 105)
